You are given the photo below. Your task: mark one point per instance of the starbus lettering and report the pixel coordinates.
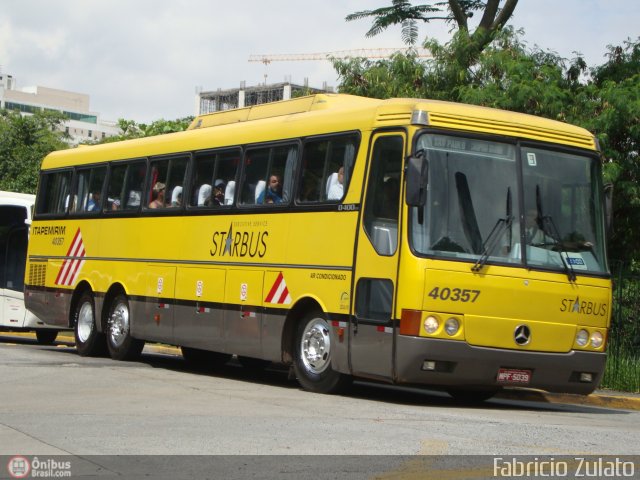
(575, 305)
(239, 243)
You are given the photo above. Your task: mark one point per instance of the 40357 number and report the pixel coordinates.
(454, 294)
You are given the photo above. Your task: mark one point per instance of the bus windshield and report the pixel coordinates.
(477, 211)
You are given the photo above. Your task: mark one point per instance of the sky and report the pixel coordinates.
(143, 60)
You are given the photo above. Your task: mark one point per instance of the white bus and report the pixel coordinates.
(16, 210)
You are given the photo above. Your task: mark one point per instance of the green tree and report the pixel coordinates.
(468, 44)
(130, 129)
(614, 99)
(24, 142)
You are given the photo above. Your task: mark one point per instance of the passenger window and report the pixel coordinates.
(214, 178)
(326, 169)
(167, 181)
(89, 184)
(124, 190)
(268, 175)
(55, 193)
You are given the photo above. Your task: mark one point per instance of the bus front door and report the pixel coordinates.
(371, 331)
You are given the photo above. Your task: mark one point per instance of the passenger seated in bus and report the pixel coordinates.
(218, 192)
(335, 187)
(273, 192)
(94, 202)
(157, 196)
(176, 196)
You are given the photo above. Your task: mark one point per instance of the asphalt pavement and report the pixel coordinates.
(600, 398)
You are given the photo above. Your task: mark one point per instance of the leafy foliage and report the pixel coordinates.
(130, 129)
(24, 142)
(495, 14)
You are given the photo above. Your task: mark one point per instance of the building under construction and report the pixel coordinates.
(219, 100)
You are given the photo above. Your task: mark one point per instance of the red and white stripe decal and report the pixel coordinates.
(71, 267)
(385, 329)
(279, 292)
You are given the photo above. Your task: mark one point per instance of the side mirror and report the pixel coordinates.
(608, 205)
(416, 176)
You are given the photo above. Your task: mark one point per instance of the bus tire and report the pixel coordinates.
(312, 361)
(46, 337)
(89, 342)
(122, 346)
(204, 359)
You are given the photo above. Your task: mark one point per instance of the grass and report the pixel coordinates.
(622, 371)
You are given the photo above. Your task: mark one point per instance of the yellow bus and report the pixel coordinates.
(407, 241)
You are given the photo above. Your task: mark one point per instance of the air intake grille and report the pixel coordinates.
(37, 274)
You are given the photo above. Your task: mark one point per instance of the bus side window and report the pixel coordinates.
(256, 164)
(89, 185)
(326, 168)
(55, 193)
(214, 178)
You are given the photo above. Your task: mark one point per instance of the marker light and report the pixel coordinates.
(431, 324)
(582, 338)
(596, 340)
(451, 326)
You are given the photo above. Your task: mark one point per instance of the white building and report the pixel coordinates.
(82, 124)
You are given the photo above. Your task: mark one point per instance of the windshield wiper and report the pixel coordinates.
(547, 220)
(494, 236)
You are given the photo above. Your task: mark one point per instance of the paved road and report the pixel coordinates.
(54, 402)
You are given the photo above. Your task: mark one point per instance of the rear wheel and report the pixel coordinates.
(89, 342)
(312, 363)
(122, 346)
(46, 337)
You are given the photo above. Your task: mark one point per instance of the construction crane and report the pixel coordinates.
(340, 54)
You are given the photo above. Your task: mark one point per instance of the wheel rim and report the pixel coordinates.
(85, 322)
(315, 346)
(119, 324)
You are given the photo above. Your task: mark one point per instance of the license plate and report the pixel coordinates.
(512, 376)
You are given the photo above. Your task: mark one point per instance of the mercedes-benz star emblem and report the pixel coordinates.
(522, 335)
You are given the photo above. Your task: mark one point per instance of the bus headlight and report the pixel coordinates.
(582, 338)
(431, 324)
(596, 340)
(451, 326)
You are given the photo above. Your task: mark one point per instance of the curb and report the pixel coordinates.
(618, 400)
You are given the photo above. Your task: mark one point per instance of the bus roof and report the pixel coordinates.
(316, 114)
(15, 198)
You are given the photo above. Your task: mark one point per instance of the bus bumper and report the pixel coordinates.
(448, 363)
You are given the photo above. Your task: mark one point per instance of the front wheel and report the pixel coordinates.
(122, 346)
(89, 342)
(46, 337)
(312, 363)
